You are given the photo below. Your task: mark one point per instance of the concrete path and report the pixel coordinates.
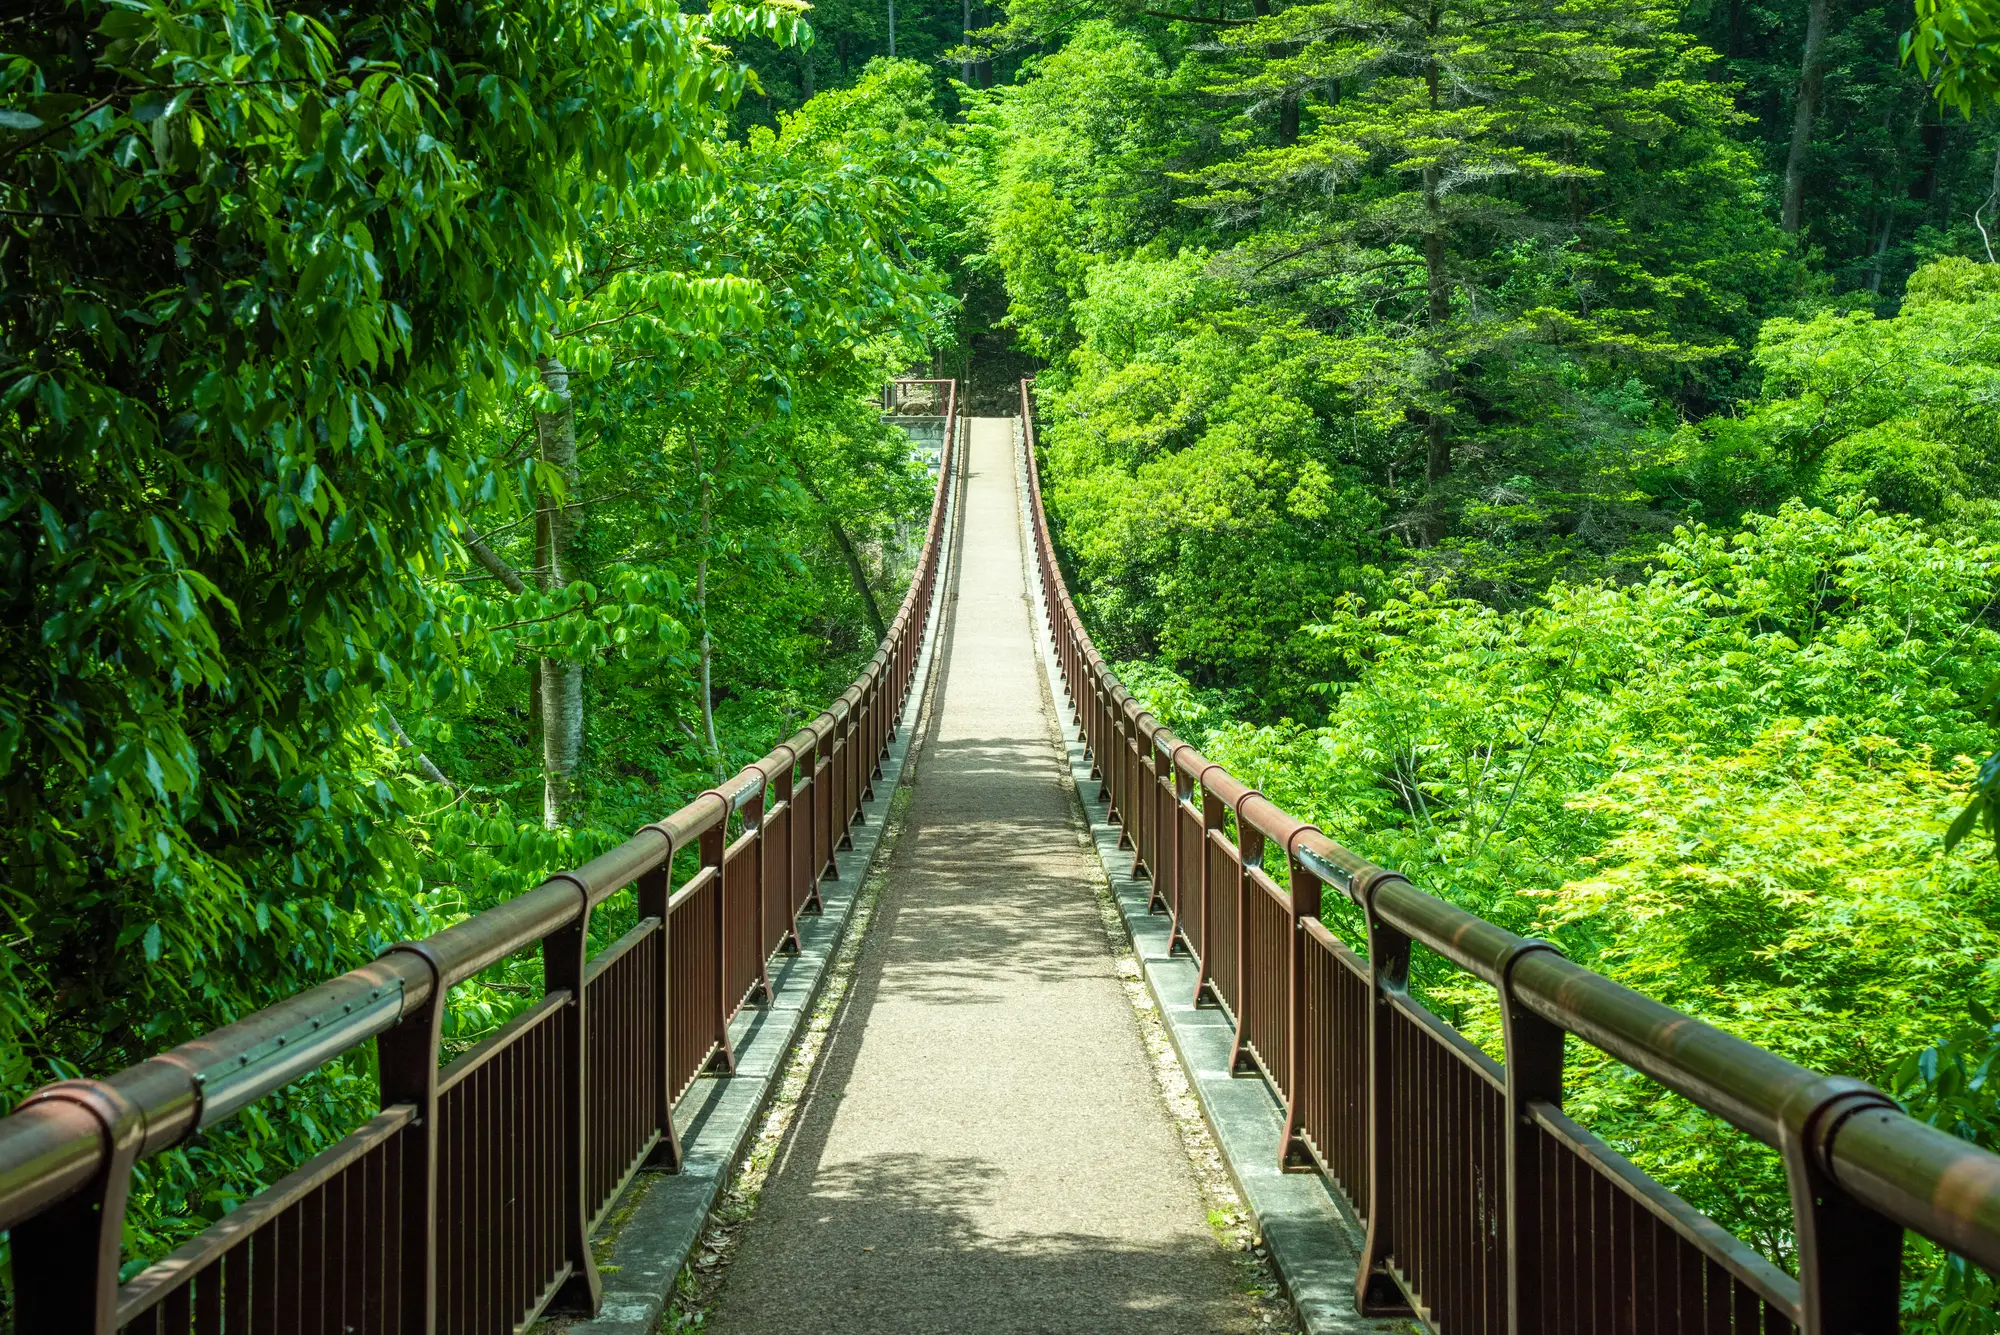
(985, 1148)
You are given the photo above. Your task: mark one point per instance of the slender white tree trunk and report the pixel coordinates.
(701, 610)
(562, 682)
(1992, 198)
(1804, 115)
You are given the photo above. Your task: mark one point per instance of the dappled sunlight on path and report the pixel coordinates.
(985, 1148)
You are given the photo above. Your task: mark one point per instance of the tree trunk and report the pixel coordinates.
(424, 762)
(561, 682)
(1288, 106)
(1881, 249)
(855, 570)
(701, 610)
(1572, 187)
(1992, 198)
(510, 580)
(1437, 458)
(805, 73)
(1805, 114)
(859, 575)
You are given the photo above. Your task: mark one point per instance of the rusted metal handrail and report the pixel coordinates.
(467, 1205)
(1486, 1208)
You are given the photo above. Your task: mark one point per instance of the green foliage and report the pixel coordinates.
(279, 293)
(1442, 430)
(1726, 785)
(1956, 48)
(1896, 409)
(1951, 1085)
(259, 268)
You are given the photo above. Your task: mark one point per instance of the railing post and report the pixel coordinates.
(786, 787)
(565, 956)
(1375, 1292)
(1183, 791)
(1118, 742)
(1850, 1258)
(406, 1061)
(1249, 853)
(850, 782)
(868, 758)
(714, 844)
(1306, 891)
(1153, 779)
(753, 824)
(655, 893)
(823, 841)
(1144, 808)
(881, 712)
(1093, 733)
(1534, 1054)
(66, 1258)
(1212, 813)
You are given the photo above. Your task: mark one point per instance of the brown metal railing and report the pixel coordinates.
(467, 1205)
(1487, 1209)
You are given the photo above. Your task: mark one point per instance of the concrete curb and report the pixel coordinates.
(664, 1213)
(1313, 1237)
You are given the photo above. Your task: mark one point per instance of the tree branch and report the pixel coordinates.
(1197, 18)
(506, 574)
(424, 763)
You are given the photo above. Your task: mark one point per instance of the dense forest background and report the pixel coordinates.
(1554, 446)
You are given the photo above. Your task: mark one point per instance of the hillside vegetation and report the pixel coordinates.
(1556, 448)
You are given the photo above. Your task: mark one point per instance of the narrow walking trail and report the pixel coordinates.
(985, 1148)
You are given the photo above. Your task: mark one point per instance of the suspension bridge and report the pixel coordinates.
(984, 1145)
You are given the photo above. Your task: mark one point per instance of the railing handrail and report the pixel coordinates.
(63, 1136)
(1846, 1135)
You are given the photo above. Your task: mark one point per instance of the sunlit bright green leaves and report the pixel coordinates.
(264, 270)
(1956, 48)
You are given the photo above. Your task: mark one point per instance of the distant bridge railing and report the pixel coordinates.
(1486, 1208)
(926, 410)
(467, 1205)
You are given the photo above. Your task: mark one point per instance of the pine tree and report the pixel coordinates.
(1438, 137)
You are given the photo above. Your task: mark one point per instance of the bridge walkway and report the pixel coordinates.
(985, 1147)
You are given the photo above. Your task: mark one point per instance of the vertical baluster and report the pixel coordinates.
(313, 1231)
(1118, 742)
(1304, 1046)
(1155, 778)
(784, 868)
(714, 843)
(1305, 890)
(1177, 938)
(753, 825)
